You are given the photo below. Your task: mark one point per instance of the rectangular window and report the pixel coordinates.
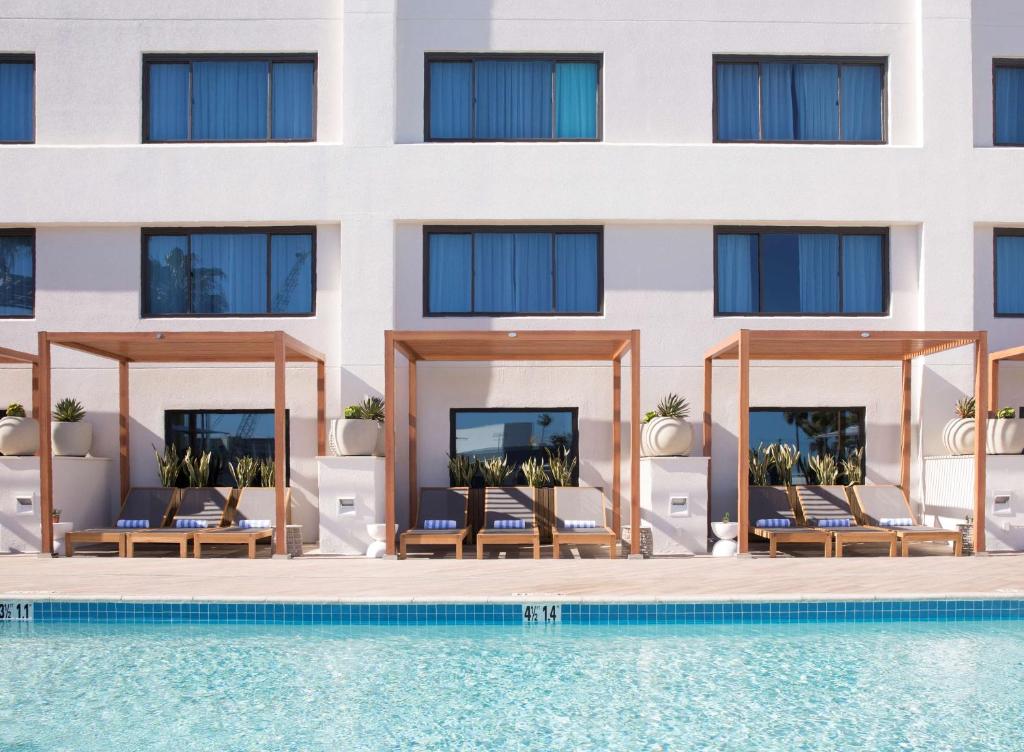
(17, 99)
(513, 98)
(801, 272)
(227, 435)
(1008, 102)
(786, 100)
(512, 271)
(17, 273)
(218, 272)
(229, 98)
(518, 433)
(837, 431)
(1009, 272)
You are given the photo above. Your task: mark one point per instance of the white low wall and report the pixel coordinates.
(674, 503)
(351, 497)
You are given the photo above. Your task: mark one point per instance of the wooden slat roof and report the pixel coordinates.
(799, 344)
(592, 345)
(1013, 353)
(186, 347)
(15, 356)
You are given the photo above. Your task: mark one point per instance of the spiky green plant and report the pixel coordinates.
(534, 472)
(783, 458)
(68, 410)
(672, 406)
(561, 466)
(497, 470)
(824, 468)
(168, 465)
(15, 410)
(757, 466)
(371, 408)
(965, 407)
(462, 470)
(267, 478)
(726, 517)
(197, 468)
(244, 470)
(1005, 413)
(853, 467)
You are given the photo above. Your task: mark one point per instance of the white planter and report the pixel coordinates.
(19, 437)
(1004, 436)
(378, 450)
(353, 437)
(725, 531)
(71, 439)
(666, 437)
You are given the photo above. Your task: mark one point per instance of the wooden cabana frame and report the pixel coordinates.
(583, 345)
(903, 346)
(127, 348)
(16, 357)
(994, 361)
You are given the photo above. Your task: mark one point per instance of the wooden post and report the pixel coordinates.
(980, 431)
(706, 431)
(123, 411)
(389, 442)
(45, 450)
(905, 375)
(993, 386)
(617, 446)
(743, 442)
(280, 451)
(321, 409)
(634, 443)
(414, 492)
(35, 389)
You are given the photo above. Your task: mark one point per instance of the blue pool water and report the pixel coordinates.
(890, 686)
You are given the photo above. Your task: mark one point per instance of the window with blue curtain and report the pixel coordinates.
(225, 98)
(1008, 100)
(238, 273)
(783, 100)
(17, 99)
(800, 272)
(512, 98)
(470, 271)
(1009, 271)
(17, 274)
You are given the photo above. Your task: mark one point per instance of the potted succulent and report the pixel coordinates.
(360, 433)
(168, 465)
(69, 434)
(726, 529)
(1004, 435)
(19, 435)
(55, 516)
(664, 431)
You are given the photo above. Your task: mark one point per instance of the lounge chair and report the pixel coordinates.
(198, 509)
(441, 520)
(581, 516)
(887, 507)
(254, 515)
(827, 507)
(143, 507)
(509, 517)
(773, 518)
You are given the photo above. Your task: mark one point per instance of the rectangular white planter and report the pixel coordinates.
(674, 503)
(351, 497)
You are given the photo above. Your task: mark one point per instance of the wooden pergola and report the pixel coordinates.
(178, 347)
(994, 361)
(15, 357)
(596, 345)
(747, 345)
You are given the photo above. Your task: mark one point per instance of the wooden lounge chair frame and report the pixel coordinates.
(419, 536)
(917, 534)
(845, 536)
(114, 534)
(488, 535)
(181, 536)
(801, 533)
(241, 536)
(603, 535)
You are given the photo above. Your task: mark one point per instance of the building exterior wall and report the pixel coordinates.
(656, 182)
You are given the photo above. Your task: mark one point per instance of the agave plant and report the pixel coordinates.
(68, 410)
(197, 468)
(670, 406)
(168, 465)
(561, 466)
(853, 467)
(1005, 413)
(783, 458)
(372, 408)
(267, 478)
(965, 407)
(824, 468)
(462, 470)
(497, 470)
(244, 470)
(15, 410)
(534, 472)
(758, 467)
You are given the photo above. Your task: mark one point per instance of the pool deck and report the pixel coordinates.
(316, 579)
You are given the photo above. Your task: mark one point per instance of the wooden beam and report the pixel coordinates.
(993, 385)
(980, 433)
(296, 349)
(321, 409)
(906, 367)
(743, 442)
(634, 443)
(45, 450)
(35, 390)
(706, 429)
(616, 448)
(123, 413)
(390, 475)
(280, 450)
(414, 491)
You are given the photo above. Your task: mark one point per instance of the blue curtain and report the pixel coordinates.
(17, 101)
(1009, 94)
(737, 273)
(1009, 274)
(862, 103)
(451, 100)
(513, 99)
(533, 272)
(450, 273)
(576, 273)
(494, 273)
(862, 274)
(229, 100)
(291, 273)
(167, 274)
(819, 273)
(777, 101)
(229, 273)
(816, 89)
(17, 282)
(576, 100)
(736, 95)
(168, 102)
(292, 98)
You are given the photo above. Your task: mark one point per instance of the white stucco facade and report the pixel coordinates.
(656, 183)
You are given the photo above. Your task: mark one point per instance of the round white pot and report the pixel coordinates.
(725, 530)
(71, 439)
(353, 437)
(19, 437)
(666, 437)
(1003, 436)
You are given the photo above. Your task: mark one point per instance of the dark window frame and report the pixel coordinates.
(574, 449)
(771, 229)
(30, 233)
(1002, 62)
(24, 58)
(298, 57)
(552, 230)
(839, 60)
(553, 58)
(148, 232)
(192, 412)
(1002, 232)
(860, 410)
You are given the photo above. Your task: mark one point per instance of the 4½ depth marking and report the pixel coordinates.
(545, 613)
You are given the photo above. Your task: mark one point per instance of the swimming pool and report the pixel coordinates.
(892, 684)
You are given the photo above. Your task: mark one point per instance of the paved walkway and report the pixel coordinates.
(314, 578)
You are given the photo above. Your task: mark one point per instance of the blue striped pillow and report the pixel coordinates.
(132, 523)
(774, 522)
(510, 524)
(187, 523)
(438, 524)
(896, 522)
(254, 524)
(836, 522)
